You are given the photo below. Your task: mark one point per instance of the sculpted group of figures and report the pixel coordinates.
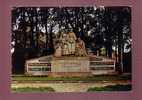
(69, 44)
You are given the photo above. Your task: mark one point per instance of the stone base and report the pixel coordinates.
(70, 64)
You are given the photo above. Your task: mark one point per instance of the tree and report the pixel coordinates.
(97, 26)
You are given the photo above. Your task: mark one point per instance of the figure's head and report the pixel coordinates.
(79, 39)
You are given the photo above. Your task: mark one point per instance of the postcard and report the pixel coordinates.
(71, 49)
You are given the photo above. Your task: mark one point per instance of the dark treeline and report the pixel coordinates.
(101, 27)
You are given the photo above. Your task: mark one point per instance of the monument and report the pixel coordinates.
(70, 57)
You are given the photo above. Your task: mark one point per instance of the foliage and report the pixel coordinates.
(94, 25)
(97, 26)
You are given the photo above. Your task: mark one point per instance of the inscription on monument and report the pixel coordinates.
(70, 65)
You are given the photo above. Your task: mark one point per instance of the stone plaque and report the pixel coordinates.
(70, 64)
(38, 68)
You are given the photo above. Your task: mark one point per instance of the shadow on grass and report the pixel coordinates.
(111, 88)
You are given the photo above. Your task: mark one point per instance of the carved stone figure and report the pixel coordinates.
(58, 50)
(63, 39)
(80, 48)
(67, 45)
(65, 49)
(71, 42)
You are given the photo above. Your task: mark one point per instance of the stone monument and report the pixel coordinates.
(69, 44)
(70, 58)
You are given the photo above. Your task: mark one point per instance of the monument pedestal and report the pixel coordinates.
(70, 66)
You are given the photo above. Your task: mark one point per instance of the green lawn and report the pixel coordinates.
(32, 89)
(92, 78)
(111, 88)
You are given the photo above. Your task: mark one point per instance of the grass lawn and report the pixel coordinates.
(92, 78)
(33, 89)
(111, 88)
